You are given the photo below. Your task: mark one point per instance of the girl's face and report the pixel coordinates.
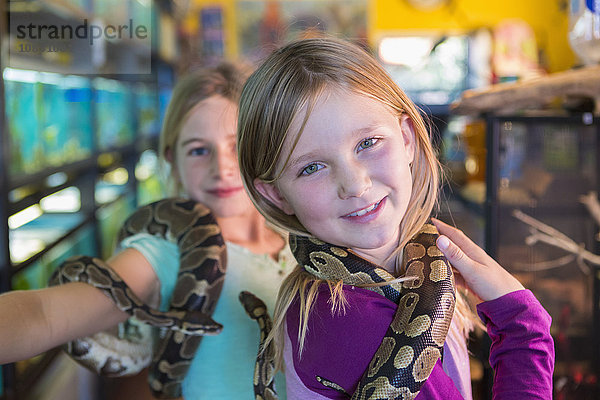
(206, 159)
(348, 180)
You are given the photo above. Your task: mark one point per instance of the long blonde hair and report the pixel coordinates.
(226, 79)
(290, 80)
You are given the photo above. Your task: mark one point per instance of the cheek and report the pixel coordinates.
(310, 204)
(192, 171)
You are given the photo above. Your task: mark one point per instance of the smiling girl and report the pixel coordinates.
(332, 150)
(198, 141)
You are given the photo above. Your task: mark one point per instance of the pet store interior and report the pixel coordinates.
(511, 89)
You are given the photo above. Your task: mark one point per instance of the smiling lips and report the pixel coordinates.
(366, 213)
(225, 192)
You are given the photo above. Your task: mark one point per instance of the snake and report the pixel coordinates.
(134, 345)
(414, 340)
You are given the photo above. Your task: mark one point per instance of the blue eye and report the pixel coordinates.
(198, 151)
(366, 143)
(311, 169)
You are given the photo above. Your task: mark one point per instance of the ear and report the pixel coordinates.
(271, 193)
(169, 156)
(408, 135)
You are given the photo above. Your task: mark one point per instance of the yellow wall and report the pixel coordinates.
(389, 17)
(548, 21)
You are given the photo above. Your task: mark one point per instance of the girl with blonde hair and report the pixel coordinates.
(198, 141)
(333, 151)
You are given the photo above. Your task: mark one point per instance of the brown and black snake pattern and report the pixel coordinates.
(201, 275)
(414, 340)
(264, 369)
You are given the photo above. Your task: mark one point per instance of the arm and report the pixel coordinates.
(522, 353)
(35, 321)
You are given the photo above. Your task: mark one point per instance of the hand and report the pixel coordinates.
(484, 276)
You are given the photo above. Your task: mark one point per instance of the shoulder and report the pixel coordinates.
(339, 344)
(148, 244)
(363, 308)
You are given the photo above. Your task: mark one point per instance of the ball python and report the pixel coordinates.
(128, 349)
(415, 338)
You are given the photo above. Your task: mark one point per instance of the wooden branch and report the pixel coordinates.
(545, 265)
(590, 200)
(535, 93)
(541, 232)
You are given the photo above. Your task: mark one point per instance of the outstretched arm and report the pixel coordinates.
(34, 321)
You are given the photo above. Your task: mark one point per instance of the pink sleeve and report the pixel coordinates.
(522, 351)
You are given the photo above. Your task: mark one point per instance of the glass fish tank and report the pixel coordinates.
(49, 119)
(147, 110)
(36, 275)
(148, 174)
(113, 214)
(114, 113)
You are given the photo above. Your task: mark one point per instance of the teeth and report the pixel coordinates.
(364, 211)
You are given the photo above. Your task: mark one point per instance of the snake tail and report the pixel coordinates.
(264, 370)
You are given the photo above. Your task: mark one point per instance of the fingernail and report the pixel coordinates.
(443, 242)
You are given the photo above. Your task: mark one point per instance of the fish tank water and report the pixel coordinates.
(49, 119)
(115, 118)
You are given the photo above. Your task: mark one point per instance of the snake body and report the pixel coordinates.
(201, 275)
(414, 340)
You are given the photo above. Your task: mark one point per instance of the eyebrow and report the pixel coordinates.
(231, 136)
(355, 133)
(192, 140)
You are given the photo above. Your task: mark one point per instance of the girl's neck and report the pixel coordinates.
(251, 232)
(384, 259)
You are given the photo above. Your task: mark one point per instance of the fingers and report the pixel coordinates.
(457, 258)
(462, 241)
(484, 276)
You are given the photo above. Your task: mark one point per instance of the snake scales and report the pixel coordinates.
(201, 275)
(414, 340)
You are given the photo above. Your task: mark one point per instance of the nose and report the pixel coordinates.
(224, 164)
(353, 180)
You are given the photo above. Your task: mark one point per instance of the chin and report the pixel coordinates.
(235, 211)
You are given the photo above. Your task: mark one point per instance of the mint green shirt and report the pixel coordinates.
(223, 367)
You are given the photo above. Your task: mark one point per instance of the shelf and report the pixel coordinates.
(538, 93)
(77, 224)
(72, 125)
(37, 177)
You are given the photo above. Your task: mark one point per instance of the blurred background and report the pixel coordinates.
(510, 87)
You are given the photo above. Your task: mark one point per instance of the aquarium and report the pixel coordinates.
(111, 217)
(36, 275)
(148, 174)
(147, 110)
(49, 119)
(113, 103)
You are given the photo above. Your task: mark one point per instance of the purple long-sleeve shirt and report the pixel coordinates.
(340, 347)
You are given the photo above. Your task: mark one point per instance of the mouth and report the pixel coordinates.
(225, 192)
(367, 211)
